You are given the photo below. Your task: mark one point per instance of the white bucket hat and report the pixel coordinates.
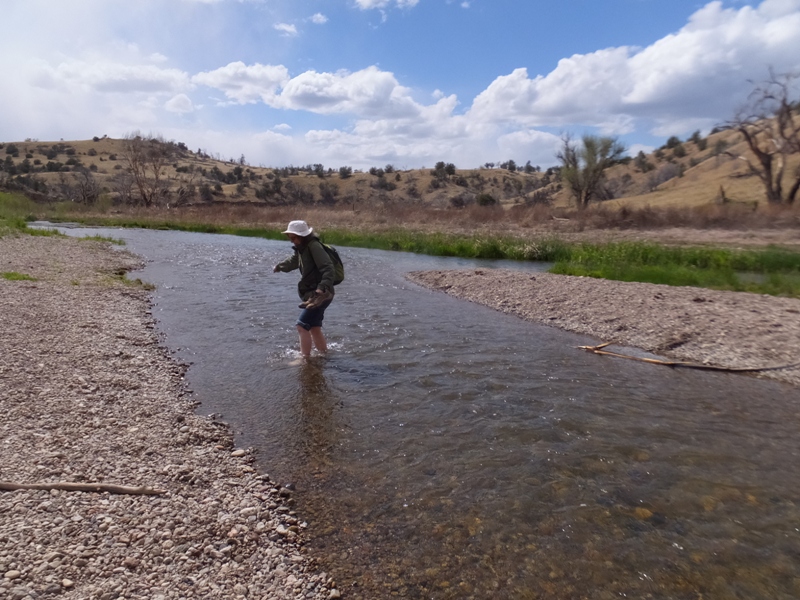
(300, 228)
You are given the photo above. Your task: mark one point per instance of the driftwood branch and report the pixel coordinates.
(82, 487)
(685, 365)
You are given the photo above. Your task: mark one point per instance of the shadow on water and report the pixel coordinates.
(444, 450)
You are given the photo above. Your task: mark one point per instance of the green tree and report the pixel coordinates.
(583, 167)
(642, 163)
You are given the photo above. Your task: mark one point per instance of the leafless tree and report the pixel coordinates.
(147, 159)
(123, 185)
(88, 190)
(770, 125)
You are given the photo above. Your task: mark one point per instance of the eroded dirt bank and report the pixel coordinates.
(88, 395)
(730, 329)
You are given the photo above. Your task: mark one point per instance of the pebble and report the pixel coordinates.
(107, 403)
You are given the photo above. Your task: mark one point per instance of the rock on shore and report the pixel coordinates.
(88, 395)
(730, 329)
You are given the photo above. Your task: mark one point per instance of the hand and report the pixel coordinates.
(318, 291)
(275, 269)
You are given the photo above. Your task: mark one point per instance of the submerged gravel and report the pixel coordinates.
(728, 329)
(88, 395)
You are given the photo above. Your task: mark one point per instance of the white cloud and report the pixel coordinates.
(180, 104)
(370, 4)
(246, 84)
(684, 81)
(528, 143)
(366, 93)
(286, 29)
(319, 19)
(107, 77)
(369, 92)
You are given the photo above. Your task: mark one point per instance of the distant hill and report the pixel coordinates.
(683, 172)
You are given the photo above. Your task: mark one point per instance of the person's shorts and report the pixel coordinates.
(313, 317)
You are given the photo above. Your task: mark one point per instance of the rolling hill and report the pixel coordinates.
(682, 173)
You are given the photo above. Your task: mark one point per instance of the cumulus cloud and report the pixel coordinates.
(368, 92)
(286, 29)
(681, 81)
(246, 84)
(180, 104)
(319, 19)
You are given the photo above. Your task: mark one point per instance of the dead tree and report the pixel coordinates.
(87, 187)
(147, 160)
(770, 125)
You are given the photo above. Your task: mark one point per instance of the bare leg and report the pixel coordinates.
(305, 341)
(319, 340)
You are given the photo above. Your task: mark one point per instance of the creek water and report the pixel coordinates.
(444, 450)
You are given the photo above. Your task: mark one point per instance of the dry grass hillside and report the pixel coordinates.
(688, 173)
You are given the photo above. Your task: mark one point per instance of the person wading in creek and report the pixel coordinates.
(315, 286)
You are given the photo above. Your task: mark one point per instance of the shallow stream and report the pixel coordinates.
(445, 450)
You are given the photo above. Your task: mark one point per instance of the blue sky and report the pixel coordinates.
(375, 82)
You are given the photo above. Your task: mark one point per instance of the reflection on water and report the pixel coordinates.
(317, 404)
(443, 450)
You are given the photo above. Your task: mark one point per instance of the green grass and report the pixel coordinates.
(14, 276)
(103, 238)
(773, 271)
(15, 212)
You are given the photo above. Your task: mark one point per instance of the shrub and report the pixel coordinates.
(665, 173)
(12, 149)
(206, 194)
(381, 183)
(486, 200)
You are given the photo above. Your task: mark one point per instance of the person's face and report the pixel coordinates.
(295, 239)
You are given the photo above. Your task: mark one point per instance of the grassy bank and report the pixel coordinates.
(769, 271)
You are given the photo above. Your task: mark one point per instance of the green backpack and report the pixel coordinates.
(338, 265)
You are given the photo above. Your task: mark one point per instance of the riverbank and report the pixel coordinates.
(729, 329)
(89, 395)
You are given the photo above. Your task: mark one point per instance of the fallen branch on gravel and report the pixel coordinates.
(670, 363)
(82, 487)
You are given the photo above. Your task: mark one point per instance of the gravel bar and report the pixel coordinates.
(701, 326)
(90, 396)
